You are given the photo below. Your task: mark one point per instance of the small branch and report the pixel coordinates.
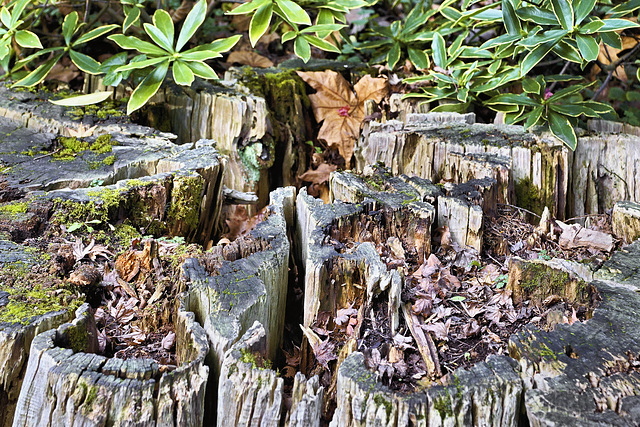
(613, 68)
(564, 68)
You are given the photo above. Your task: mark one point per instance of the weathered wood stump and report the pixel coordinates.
(625, 221)
(586, 373)
(66, 385)
(241, 283)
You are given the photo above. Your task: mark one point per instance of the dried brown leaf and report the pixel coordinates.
(319, 175)
(249, 58)
(169, 340)
(440, 329)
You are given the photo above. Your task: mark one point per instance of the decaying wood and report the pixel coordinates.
(424, 341)
(625, 221)
(586, 373)
(248, 395)
(306, 402)
(576, 236)
(65, 386)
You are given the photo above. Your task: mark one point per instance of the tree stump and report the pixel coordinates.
(63, 385)
(586, 373)
(625, 221)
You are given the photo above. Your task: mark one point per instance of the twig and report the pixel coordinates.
(564, 68)
(613, 68)
(520, 209)
(626, 186)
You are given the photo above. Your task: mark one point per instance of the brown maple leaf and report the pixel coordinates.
(340, 108)
(319, 175)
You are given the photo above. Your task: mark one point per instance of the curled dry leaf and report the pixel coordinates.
(169, 340)
(340, 108)
(440, 329)
(250, 58)
(325, 352)
(402, 342)
(319, 175)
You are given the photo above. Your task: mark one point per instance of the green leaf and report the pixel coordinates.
(69, 26)
(562, 129)
(582, 9)
(616, 25)
(16, 13)
(393, 56)
(325, 17)
(537, 15)
(302, 49)
(158, 37)
(598, 107)
(246, 8)
(5, 17)
(37, 75)
(535, 56)
(624, 8)
(201, 55)
(320, 44)
(73, 227)
(439, 51)
(260, 22)
(92, 98)
(531, 86)
(451, 108)
(568, 91)
(221, 45)
(533, 117)
(138, 65)
(148, 87)
(462, 94)
(130, 42)
(567, 51)
(564, 12)
(194, 19)
(547, 36)
(93, 34)
(182, 74)
(572, 110)
(457, 298)
(500, 40)
(588, 46)
(85, 62)
(293, 12)
(132, 17)
(512, 99)
(591, 27)
(26, 38)
(201, 69)
(323, 28)
(162, 20)
(510, 19)
(289, 35)
(419, 58)
(611, 39)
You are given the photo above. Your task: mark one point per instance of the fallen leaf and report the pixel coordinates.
(63, 73)
(402, 342)
(249, 58)
(82, 131)
(440, 329)
(343, 315)
(169, 340)
(319, 175)
(340, 108)
(325, 352)
(609, 55)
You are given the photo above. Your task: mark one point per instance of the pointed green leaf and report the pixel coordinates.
(500, 40)
(325, 17)
(192, 22)
(617, 25)
(94, 34)
(16, 13)
(564, 12)
(182, 74)
(393, 56)
(138, 65)
(132, 18)
(563, 93)
(201, 69)
(85, 62)
(588, 46)
(147, 88)
(537, 15)
(293, 12)
(612, 39)
(69, 26)
(591, 27)
(289, 35)
(582, 9)
(512, 99)
(567, 51)
(419, 58)
(37, 75)
(130, 42)
(302, 49)
(598, 107)
(5, 17)
(158, 37)
(510, 19)
(624, 8)
(201, 55)
(547, 36)
(26, 38)
(260, 22)
(246, 8)
(535, 56)
(320, 44)
(439, 51)
(162, 20)
(532, 118)
(220, 45)
(562, 129)
(531, 86)
(323, 28)
(92, 98)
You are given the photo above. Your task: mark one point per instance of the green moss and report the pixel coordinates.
(25, 304)
(249, 156)
(70, 147)
(442, 404)
(14, 208)
(125, 233)
(102, 144)
(185, 201)
(110, 160)
(91, 396)
(102, 111)
(78, 338)
(528, 196)
(381, 401)
(540, 277)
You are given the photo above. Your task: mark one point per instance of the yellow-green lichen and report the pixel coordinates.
(14, 208)
(185, 201)
(70, 146)
(528, 196)
(78, 338)
(110, 160)
(102, 144)
(24, 304)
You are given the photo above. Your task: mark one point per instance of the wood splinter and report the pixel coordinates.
(425, 343)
